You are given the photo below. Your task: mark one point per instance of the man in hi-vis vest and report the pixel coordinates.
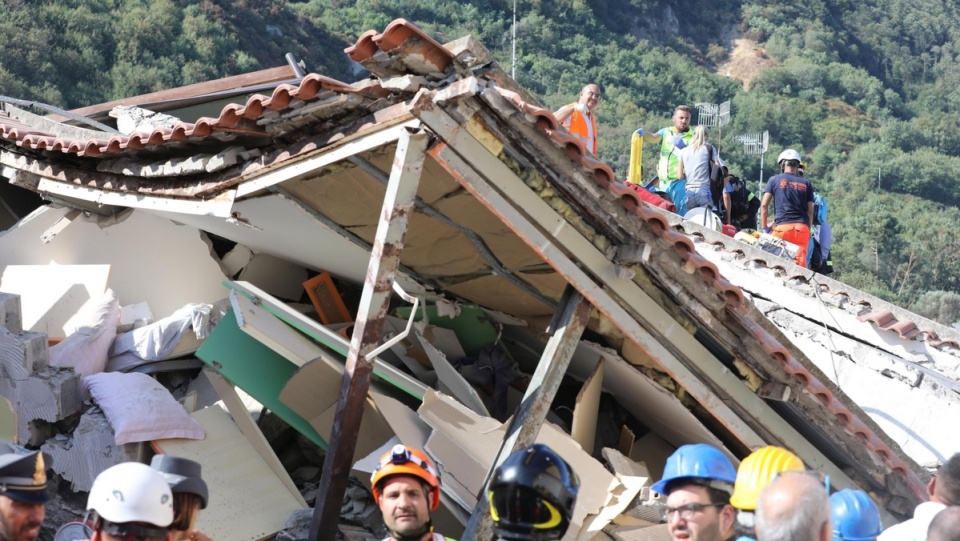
(577, 118)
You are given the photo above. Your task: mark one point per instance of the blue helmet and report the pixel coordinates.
(701, 464)
(855, 516)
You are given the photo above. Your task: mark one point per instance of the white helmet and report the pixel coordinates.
(132, 492)
(789, 155)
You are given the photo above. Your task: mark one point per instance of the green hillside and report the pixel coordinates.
(866, 90)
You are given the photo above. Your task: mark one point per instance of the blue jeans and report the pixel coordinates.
(699, 199)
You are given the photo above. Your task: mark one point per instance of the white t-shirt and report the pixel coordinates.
(916, 528)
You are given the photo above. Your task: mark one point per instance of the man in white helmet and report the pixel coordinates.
(130, 501)
(792, 197)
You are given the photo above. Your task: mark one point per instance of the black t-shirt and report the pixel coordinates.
(791, 193)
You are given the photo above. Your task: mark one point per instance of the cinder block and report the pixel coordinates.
(23, 354)
(51, 395)
(10, 315)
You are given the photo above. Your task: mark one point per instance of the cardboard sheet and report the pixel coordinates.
(584, 426)
(247, 501)
(52, 294)
(449, 377)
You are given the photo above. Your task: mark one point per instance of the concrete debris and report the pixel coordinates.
(133, 119)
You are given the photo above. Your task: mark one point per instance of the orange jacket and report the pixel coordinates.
(584, 126)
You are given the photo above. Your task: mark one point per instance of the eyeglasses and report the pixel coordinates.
(591, 94)
(687, 511)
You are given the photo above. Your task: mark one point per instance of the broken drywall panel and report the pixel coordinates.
(647, 401)
(50, 295)
(275, 334)
(325, 336)
(247, 500)
(583, 429)
(152, 259)
(448, 375)
(470, 439)
(653, 451)
(92, 448)
(313, 392)
(235, 260)
(255, 368)
(134, 315)
(621, 497)
(920, 419)
(286, 230)
(408, 351)
(278, 277)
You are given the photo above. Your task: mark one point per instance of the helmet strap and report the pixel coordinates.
(427, 528)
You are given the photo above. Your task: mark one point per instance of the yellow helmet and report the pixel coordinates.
(757, 471)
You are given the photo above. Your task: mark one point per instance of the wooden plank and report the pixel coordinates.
(583, 429)
(569, 321)
(247, 501)
(625, 446)
(246, 424)
(269, 75)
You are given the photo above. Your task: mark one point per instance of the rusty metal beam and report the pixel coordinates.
(567, 327)
(367, 331)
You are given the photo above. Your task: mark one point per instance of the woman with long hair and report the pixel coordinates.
(695, 168)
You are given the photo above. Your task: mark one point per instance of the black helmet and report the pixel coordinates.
(532, 495)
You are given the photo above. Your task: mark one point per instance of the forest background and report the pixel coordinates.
(867, 90)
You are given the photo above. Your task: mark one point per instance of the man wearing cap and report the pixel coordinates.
(23, 491)
(697, 481)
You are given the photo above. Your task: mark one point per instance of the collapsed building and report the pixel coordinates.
(277, 229)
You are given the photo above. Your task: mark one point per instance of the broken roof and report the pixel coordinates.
(509, 210)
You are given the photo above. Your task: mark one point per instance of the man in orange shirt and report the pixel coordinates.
(578, 119)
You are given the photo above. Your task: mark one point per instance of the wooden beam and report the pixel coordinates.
(372, 313)
(569, 321)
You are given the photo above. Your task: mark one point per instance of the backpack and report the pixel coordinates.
(819, 208)
(717, 174)
(816, 256)
(740, 197)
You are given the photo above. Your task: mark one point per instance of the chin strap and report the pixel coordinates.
(427, 529)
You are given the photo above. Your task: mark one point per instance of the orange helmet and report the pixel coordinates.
(403, 460)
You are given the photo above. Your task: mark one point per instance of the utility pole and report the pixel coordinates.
(513, 60)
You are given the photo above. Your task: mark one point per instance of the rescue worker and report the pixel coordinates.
(855, 517)
(578, 118)
(672, 139)
(697, 481)
(190, 495)
(406, 486)
(943, 490)
(794, 508)
(532, 495)
(130, 501)
(23, 493)
(754, 474)
(792, 197)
